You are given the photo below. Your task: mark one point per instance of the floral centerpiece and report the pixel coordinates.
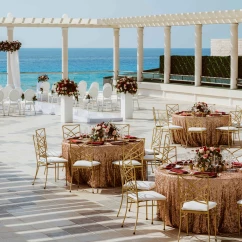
(111, 130)
(10, 46)
(126, 85)
(43, 78)
(98, 132)
(200, 109)
(66, 87)
(206, 157)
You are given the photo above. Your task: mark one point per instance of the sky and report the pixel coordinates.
(181, 37)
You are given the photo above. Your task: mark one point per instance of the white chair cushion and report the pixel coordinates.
(117, 162)
(54, 153)
(85, 163)
(150, 152)
(239, 202)
(228, 128)
(147, 196)
(132, 162)
(149, 157)
(198, 206)
(52, 159)
(171, 126)
(142, 185)
(197, 129)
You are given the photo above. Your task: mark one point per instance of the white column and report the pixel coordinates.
(140, 53)
(115, 53)
(10, 77)
(64, 53)
(198, 54)
(234, 56)
(167, 53)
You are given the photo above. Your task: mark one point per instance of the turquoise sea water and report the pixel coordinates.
(93, 63)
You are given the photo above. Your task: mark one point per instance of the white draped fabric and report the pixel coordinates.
(14, 69)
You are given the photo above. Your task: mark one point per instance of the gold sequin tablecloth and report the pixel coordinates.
(226, 190)
(211, 123)
(105, 154)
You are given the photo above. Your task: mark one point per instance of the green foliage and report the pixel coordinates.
(212, 66)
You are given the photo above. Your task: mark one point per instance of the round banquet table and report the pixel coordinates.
(225, 190)
(209, 122)
(105, 154)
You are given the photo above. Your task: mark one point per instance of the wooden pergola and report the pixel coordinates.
(232, 17)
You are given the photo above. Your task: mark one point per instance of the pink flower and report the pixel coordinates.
(205, 156)
(212, 148)
(107, 130)
(114, 132)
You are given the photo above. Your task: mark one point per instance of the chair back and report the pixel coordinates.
(94, 84)
(82, 85)
(165, 153)
(134, 152)
(235, 118)
(71, 130)
(40, 148)
(14, 95)
(40, 133)
(107, 92)
(81, 152)
(1, 95)
(171, 109)
(190, 189)
(93, 92)
(19, 89)
(46, 86)
(53, 87)
(6, 90)
(107, 85)
(123, 128)
(29, 94)
(81, 90)
(161, 118)
(192, 121)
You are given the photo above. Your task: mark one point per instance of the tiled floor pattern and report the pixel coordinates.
(30, 213)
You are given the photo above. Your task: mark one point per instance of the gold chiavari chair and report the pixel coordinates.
(195, 125)
(194, 195)
(45, 161)
(128, 156)
(231, 129)
(165, 153)
(82, 158)
(133, 156)
(123, 128)
(71, 131)
(171, 109)
(133, 195)
(239, 203)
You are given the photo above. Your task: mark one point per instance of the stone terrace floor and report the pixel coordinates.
(30, 213)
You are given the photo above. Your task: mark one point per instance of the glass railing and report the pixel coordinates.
(29, 79)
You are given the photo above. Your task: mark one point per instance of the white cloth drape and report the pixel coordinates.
(14, 68)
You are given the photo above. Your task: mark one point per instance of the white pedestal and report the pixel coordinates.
(66, 109)
(126, 105)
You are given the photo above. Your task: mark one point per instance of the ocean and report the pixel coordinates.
(89, 64)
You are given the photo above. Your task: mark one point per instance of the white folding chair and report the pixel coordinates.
(13, 100)
(28, 99)
(106, 98)
(93, 92)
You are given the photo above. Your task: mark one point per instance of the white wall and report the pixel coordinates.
(177, 92)
(222, 47)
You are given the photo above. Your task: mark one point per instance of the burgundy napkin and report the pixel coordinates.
(76, 137)
(130, 137)
(181, 162)
(95, 143)
(170, 166)
(84, 136)
(210, 174)
(179, 171)
(237, 164)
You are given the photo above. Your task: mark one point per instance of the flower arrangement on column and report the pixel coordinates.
(67, 89)
(43, 78)
(127, 86)
(10, 46)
